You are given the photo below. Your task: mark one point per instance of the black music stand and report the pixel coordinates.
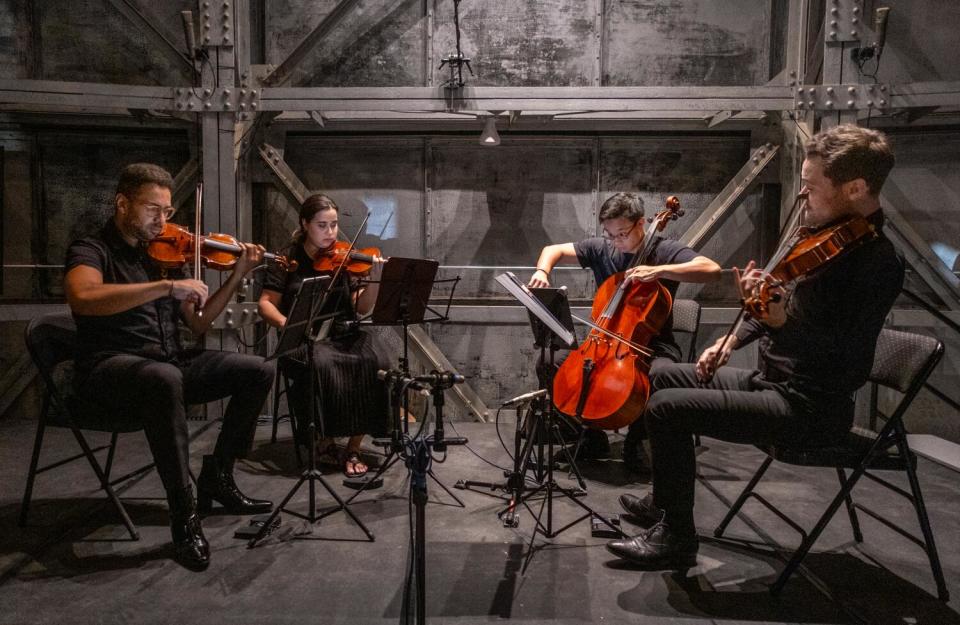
(311, 316)
(404, 299)
(554, 300)
(544, 325)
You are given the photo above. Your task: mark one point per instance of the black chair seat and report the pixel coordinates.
(847, 455)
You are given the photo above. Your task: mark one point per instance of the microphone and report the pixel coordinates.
(880, 28)
(522, 399)
(187, 18)
(397, 377)
(441, 378)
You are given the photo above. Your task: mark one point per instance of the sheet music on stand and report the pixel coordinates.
(406, 286)
(301, 312)
(523, 293)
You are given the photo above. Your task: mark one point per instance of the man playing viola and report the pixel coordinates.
(132, 369)
(669, 261)
(817, 343)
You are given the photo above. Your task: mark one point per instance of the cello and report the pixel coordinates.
(604, 382)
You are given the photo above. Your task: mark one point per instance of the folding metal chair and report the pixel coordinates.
(51, 342)
(903, 361)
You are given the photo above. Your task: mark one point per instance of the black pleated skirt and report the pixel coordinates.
(349, 398)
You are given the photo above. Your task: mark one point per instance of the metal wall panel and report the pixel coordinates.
(79, 179)
(16, 54)
(521, 42)
(379, 43)
(89, 40)
(689, 42)
(499, 207)
(921, 42)
(384, 176)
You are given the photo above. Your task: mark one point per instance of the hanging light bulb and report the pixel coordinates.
(489, 135)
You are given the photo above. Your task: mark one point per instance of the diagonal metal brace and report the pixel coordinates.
(462, 394)
(729, 198)
(290, 184)
(129, 11)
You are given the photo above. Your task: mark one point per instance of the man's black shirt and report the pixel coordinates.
(148, 330)
(824, 351)
(599, 255)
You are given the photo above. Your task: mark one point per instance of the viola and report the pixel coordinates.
(175, 246)
(357, 263)
(604, 382)
(811, 250)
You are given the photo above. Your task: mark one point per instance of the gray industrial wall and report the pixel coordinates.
(476, 210)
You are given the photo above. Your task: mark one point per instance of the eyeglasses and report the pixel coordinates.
(621, 236)
(155, 211)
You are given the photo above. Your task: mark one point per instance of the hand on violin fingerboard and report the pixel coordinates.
(251, 257)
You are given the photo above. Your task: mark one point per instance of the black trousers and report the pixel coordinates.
(738, 405)
(140, 392)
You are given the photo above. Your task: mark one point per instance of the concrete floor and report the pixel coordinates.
(74, 563)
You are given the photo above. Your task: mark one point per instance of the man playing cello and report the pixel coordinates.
(621, 218)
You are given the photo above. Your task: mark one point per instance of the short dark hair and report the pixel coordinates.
(626, 205)
(849, 152)
(135, 175)
(311, 206)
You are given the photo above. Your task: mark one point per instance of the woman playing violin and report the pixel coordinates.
(621, 218)
(352, 402)
(817, 340)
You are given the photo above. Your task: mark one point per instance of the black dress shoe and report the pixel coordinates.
(657, 548)
(641, 509)
(190, 546)
(216, 484)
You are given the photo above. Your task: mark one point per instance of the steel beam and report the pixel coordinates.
(291, 186)
(729, 198)
(916, 250)
(285, 70)
(185, 182)
(47, 95)
(465, 396)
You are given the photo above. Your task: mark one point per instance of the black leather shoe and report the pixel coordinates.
(641, 509)
(216, 484)
(190, 546)
(657, 548)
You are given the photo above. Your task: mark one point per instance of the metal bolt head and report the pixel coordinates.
(253, 93)
(851, 90)
(870, 88)
(755, 159)
(226, 37)
(226, 93)
(856, 10)
(190, 104)
(206, 39)
(253, 105)
(850, 104)
(854, 21)
(834, 11)
(853, 33)
(830, 90)
(870, 103)
(793, 72)
(883, 87)
(834, 23)
(829, 103)
(206, 105)
(243, 106)
(833, 34)
(226, 105)
(883, 102)
(226, 26)
(812, 91)
(207, 92)
(800, 90)
(811, 104)
(801, 105)
(179, 105)
(243, 92)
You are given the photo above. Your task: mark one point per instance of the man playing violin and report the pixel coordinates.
(621, 218)
(131, 364)
(817, 342)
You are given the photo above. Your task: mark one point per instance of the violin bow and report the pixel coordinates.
(197, 224)
(791, 226)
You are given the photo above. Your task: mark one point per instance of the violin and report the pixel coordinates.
(175, 246)
(357, 263)
(604, 383)
(811, 250)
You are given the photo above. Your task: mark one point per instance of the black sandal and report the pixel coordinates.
(353, 457)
